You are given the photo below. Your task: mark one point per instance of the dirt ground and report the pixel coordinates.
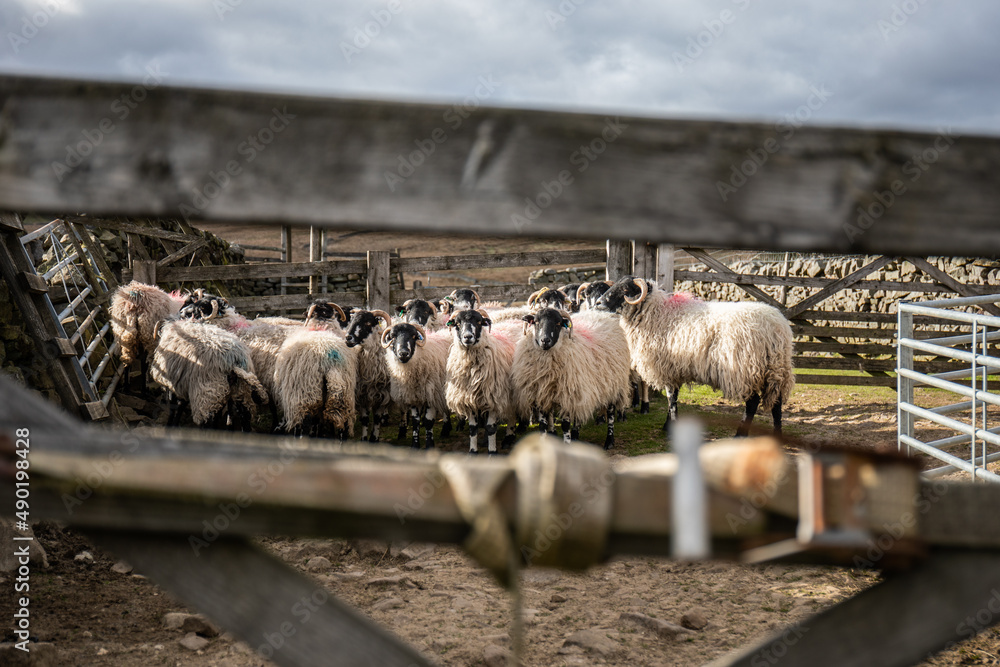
(445, 605)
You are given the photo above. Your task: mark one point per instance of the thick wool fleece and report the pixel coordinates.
(373, 383)
(206, 366)
(135, 311)
(420, 382)
(315, 374)
(738, 348)
(479, 376)
(585, 371)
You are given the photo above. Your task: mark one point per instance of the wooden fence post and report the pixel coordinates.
(645, 260)
(378, 280)
(619, 259)
(315, 251)
(665, 266)
(286, 254)
(144, 271)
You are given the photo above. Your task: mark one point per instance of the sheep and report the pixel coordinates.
(587, 294)
(547, 298)
(570, 290)
(478, 387)
(742, 349)
(573, 372)
(463, 298)
(209, 369)
(417, 362)
(315, 380)
(419, 311)
(135, 311)
(373, 385)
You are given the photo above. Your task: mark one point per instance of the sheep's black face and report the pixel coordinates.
(465, 299)
(325, 312)
(570, 292)
(548, 323)
(593, 292)
(614, 298)
(347, 317)
(404, 338)
(202, 309)
(468, 326)
(362, 324)
(417, 311)
(552, 299)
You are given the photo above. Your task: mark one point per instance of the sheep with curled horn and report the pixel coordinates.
(464, 298)
(587, 294)
(422, 312)
(743, 349)
(417, 362)
(548, 298)
(374, 382)
(570, 291)
(478, 387)
(572, 367)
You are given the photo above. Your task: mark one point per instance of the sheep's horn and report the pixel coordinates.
(385, 339)
(534, 296)
(406, 304)
(309, 313)
(579, 291)
(643, 291)
(422, 335)
(341, 315)
(609, 283)
(524, 328)
(486, 316)
(215, 310)
(444, 307)
(479, 299)
(384, 316)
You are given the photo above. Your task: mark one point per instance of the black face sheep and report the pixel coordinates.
(742, 349)
(323, 313)
(478, 387)
(373, 385)
(211, 370)
(135, 311)
(464, 298)
(548, 298)
(572, 367)
(587, 294)
(570, 291)
(417, 363)
(420, 312)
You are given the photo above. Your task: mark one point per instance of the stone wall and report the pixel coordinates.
(557, 277)
(19, 358)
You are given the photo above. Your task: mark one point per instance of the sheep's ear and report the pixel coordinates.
(530, 319)
(451, 323)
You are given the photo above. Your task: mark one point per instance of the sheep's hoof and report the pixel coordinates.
(644, 410)
(446, 429)
(401, 435)
(473, 452)
(609, 443)
(623, 416)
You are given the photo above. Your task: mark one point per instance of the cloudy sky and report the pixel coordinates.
(915, 64)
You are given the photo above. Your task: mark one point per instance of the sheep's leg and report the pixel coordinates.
(446, 425)
(174, 410)
(415, 425)
(473, 435)
(550, 419)
(509, 438)
(751, 409)
(460, 423)
(671, 406)
(376, 425)
(609, 441)
(522, 426)
(574, 432)
(566, 429)
(543, 422)
(403, 424)
(491, 433)
(364, 419)
(776, 416)
(644, 409)
(429, 428)
(636, 394)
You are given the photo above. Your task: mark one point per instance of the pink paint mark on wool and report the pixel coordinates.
(680, 298)
(177, 296)
(241, 323)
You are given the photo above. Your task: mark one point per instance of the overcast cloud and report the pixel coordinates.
(885, 63)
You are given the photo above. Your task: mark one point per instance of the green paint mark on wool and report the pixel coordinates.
(334, 356)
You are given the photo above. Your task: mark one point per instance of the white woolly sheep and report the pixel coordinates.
(417, 364)
(315, 380)
(136, 309)
(211, 370)
(478, 387)
(572, 367)
(742, 349)
(373, 384)
(548, 298)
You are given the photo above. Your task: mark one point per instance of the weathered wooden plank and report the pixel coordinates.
(843, 332)
(846, 380)
(181, 253)
(660, 180)
(665, 266)
(378, 280)
(803, 281)
(841, 348)
(901, 621)
(254, 595)
(867, 365)
(145, 271)
(955, 285)
(712, 262)
(836, 286)
(258, 271)
(96, 249)
(503, 293)
(644, 263)
(130, 228)
(619, 262)
(498, 260)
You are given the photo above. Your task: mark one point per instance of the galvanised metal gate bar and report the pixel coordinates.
(977, 397)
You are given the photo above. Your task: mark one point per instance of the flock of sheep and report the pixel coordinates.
(571, 353)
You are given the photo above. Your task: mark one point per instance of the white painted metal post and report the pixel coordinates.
(904, 356)
(690, 507)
